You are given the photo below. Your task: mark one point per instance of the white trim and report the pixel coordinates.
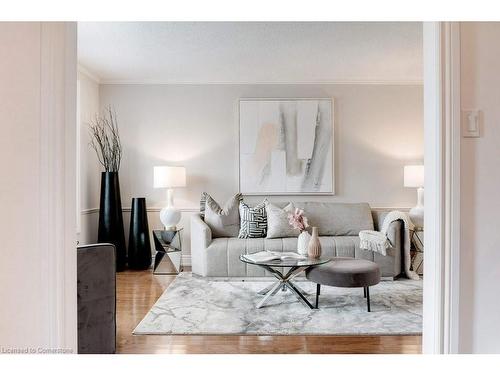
(433, 217)
(409, 82)
(69, 336)
(186, 260)
(78, 158)
(442, 192)
(57, 181)
(89, 211)
(451, 314)
(86, 72)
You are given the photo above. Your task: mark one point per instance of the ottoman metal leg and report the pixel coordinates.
(318, 292)
(368, 298)
(364, 291)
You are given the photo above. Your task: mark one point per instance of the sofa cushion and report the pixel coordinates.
(223, 254)
(278, 225)
(224, 222)
(253, 222)
(338, 219)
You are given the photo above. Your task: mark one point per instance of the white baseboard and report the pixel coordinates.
(186, 260)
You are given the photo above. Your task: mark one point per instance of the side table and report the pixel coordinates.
(168, 245)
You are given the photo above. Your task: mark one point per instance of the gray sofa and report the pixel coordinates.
(96, 286)
(338, 224)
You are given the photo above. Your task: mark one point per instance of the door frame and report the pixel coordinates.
(442, 134)
(441, 45)
(58, 58)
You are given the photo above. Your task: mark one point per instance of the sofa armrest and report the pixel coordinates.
(201, 237)
(96, 285)
(395, 230)
(200, 232)
(394, 235)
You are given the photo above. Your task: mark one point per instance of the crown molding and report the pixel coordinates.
(86, 72)
(415, 82)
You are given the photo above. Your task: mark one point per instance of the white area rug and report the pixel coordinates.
(197, 306)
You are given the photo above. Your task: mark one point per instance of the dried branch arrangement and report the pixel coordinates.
(105, 140)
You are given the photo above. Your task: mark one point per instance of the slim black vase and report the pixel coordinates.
(111, 218)
(139, 246)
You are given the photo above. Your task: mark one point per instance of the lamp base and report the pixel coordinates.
(417, 213)
(170, 217)
(417, 216)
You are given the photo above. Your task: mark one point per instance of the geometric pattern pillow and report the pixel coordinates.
(253, 220)
(203, 201)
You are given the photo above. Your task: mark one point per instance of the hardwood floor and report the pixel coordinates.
(137, 291)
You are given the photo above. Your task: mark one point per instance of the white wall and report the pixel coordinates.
(89, 165)
(37, 189)
(480, 186)
(378, 129)
(20, 121)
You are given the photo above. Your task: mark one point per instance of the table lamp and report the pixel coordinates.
(169, 178)
(414, 177)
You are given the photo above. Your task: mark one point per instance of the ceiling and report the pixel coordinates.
(251, 52)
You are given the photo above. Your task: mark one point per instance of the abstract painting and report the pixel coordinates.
(286, 146)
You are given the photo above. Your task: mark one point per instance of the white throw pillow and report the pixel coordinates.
(224, 222)
(277, 221)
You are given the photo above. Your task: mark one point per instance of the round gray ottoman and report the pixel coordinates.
(346, 273)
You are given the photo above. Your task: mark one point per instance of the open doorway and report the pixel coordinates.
(177, 92)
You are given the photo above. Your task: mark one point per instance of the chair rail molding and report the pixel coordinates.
(442, 192)
(58, 181)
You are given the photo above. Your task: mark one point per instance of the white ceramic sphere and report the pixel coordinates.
(417, 216)
(170, 217)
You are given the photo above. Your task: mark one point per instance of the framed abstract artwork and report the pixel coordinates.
(286, 146)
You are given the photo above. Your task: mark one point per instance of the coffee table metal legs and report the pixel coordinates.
(284, 282)
(270, 293)
(299, 295)
(302, 291)
(318, 292)
(266, 289)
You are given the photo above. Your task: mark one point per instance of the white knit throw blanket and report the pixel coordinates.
(374, 241)
(378, 241)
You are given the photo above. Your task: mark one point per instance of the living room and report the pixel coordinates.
(172, 111)
(248, 182)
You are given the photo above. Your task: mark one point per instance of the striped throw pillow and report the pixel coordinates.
(253, 220)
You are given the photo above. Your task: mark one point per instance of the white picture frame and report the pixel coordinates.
(279, 151)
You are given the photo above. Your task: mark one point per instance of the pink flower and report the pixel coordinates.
(297, 220)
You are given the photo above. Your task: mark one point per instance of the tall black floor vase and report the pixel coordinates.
(111, 217)
(139, 245)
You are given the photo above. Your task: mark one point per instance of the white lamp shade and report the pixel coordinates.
(414, 176)
(169, 177)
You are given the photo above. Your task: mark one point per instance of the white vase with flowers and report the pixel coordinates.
(299, 222)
